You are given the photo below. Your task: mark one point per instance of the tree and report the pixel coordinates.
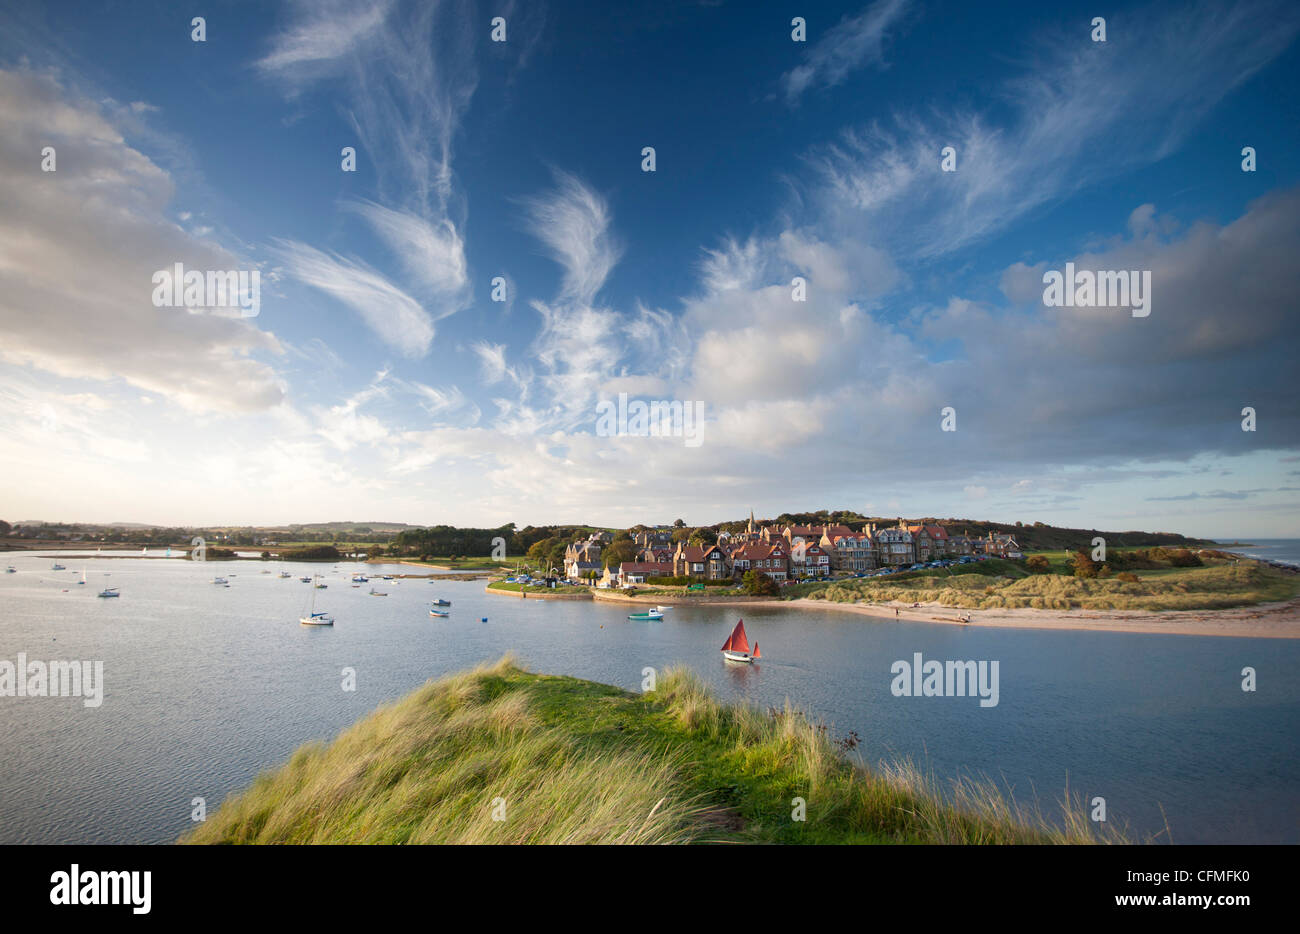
(618, 552)
(1083, 565)
(704, 536)
(1037, 564)
(679, 524)
(758, 584)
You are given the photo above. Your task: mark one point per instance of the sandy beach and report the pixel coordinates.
(1263, 621)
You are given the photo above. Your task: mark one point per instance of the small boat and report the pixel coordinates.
(110, 592)
(360, 579)
(649, 614)
(313, 618)
(285, 575)
(377, 593)
(11, 570)
(306, 580)
(58, 567)
(322, 586)
(82, 582)
(662, 608)
(736, 648)
(439, 613)
(220, 580)
(441, 602)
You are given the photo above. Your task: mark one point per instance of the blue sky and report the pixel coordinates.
(380, 381)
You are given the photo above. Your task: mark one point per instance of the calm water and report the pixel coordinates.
(206, 686)
(1286, 550)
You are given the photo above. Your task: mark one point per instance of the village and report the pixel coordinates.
(785, 553)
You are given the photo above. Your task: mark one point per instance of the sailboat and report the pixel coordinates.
(82, 582)
(313, 618)
(736, 648)
(284, 575)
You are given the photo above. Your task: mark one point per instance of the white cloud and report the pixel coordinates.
(78, 248)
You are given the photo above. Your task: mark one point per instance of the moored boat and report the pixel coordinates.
(313, 618)
(736, 648)
(439, 613)
(649, 614)
(109, 592)
(441, 602)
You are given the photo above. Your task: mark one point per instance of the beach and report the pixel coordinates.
(1262, 621)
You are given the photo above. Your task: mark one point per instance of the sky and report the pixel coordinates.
(439, 330)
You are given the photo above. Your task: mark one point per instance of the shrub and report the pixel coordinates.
(1037, 564)
(1127, 577)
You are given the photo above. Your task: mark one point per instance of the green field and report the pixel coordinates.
(570, 761)
(534, 588)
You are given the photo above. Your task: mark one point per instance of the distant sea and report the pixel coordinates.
(1286, 550)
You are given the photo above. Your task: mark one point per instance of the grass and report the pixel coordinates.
(458, 563)
(1221, 585)
(577, 762)
(515, 587)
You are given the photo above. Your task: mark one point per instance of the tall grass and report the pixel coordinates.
(428, 769)
(1208, 588)
(575, 762)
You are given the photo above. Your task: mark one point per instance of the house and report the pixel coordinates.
(630, 573)
(809, 559)
(654, 538)
(581, 559)
(704, 562)
(1002, 546)
(850, 551)
(930, 541)
(894, 548)
(655, 554)
(771, 559)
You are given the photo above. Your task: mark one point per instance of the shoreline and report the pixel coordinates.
(1261, 621)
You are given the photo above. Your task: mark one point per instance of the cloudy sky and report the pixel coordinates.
(382, 381)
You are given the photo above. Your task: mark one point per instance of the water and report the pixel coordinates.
(1285, 550)
(206, 686)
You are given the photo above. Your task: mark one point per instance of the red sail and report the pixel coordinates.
(737, 642)
(757, 653)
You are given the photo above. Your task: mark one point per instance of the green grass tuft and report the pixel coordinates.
(579, 762)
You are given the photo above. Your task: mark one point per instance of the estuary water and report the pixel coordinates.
(207, 685)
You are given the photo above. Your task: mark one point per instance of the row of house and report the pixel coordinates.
(792, 552)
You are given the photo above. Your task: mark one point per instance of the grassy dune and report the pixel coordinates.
(578, 762)
(1221, 586)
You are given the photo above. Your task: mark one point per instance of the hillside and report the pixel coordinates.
(570, 761)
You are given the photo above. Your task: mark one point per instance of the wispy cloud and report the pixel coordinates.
(1063, 133)
(394, 316)
(573, 222)
(855, 42)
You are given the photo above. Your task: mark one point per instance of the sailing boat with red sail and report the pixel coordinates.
(736, 648)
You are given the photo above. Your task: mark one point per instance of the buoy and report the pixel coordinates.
(485, 619)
